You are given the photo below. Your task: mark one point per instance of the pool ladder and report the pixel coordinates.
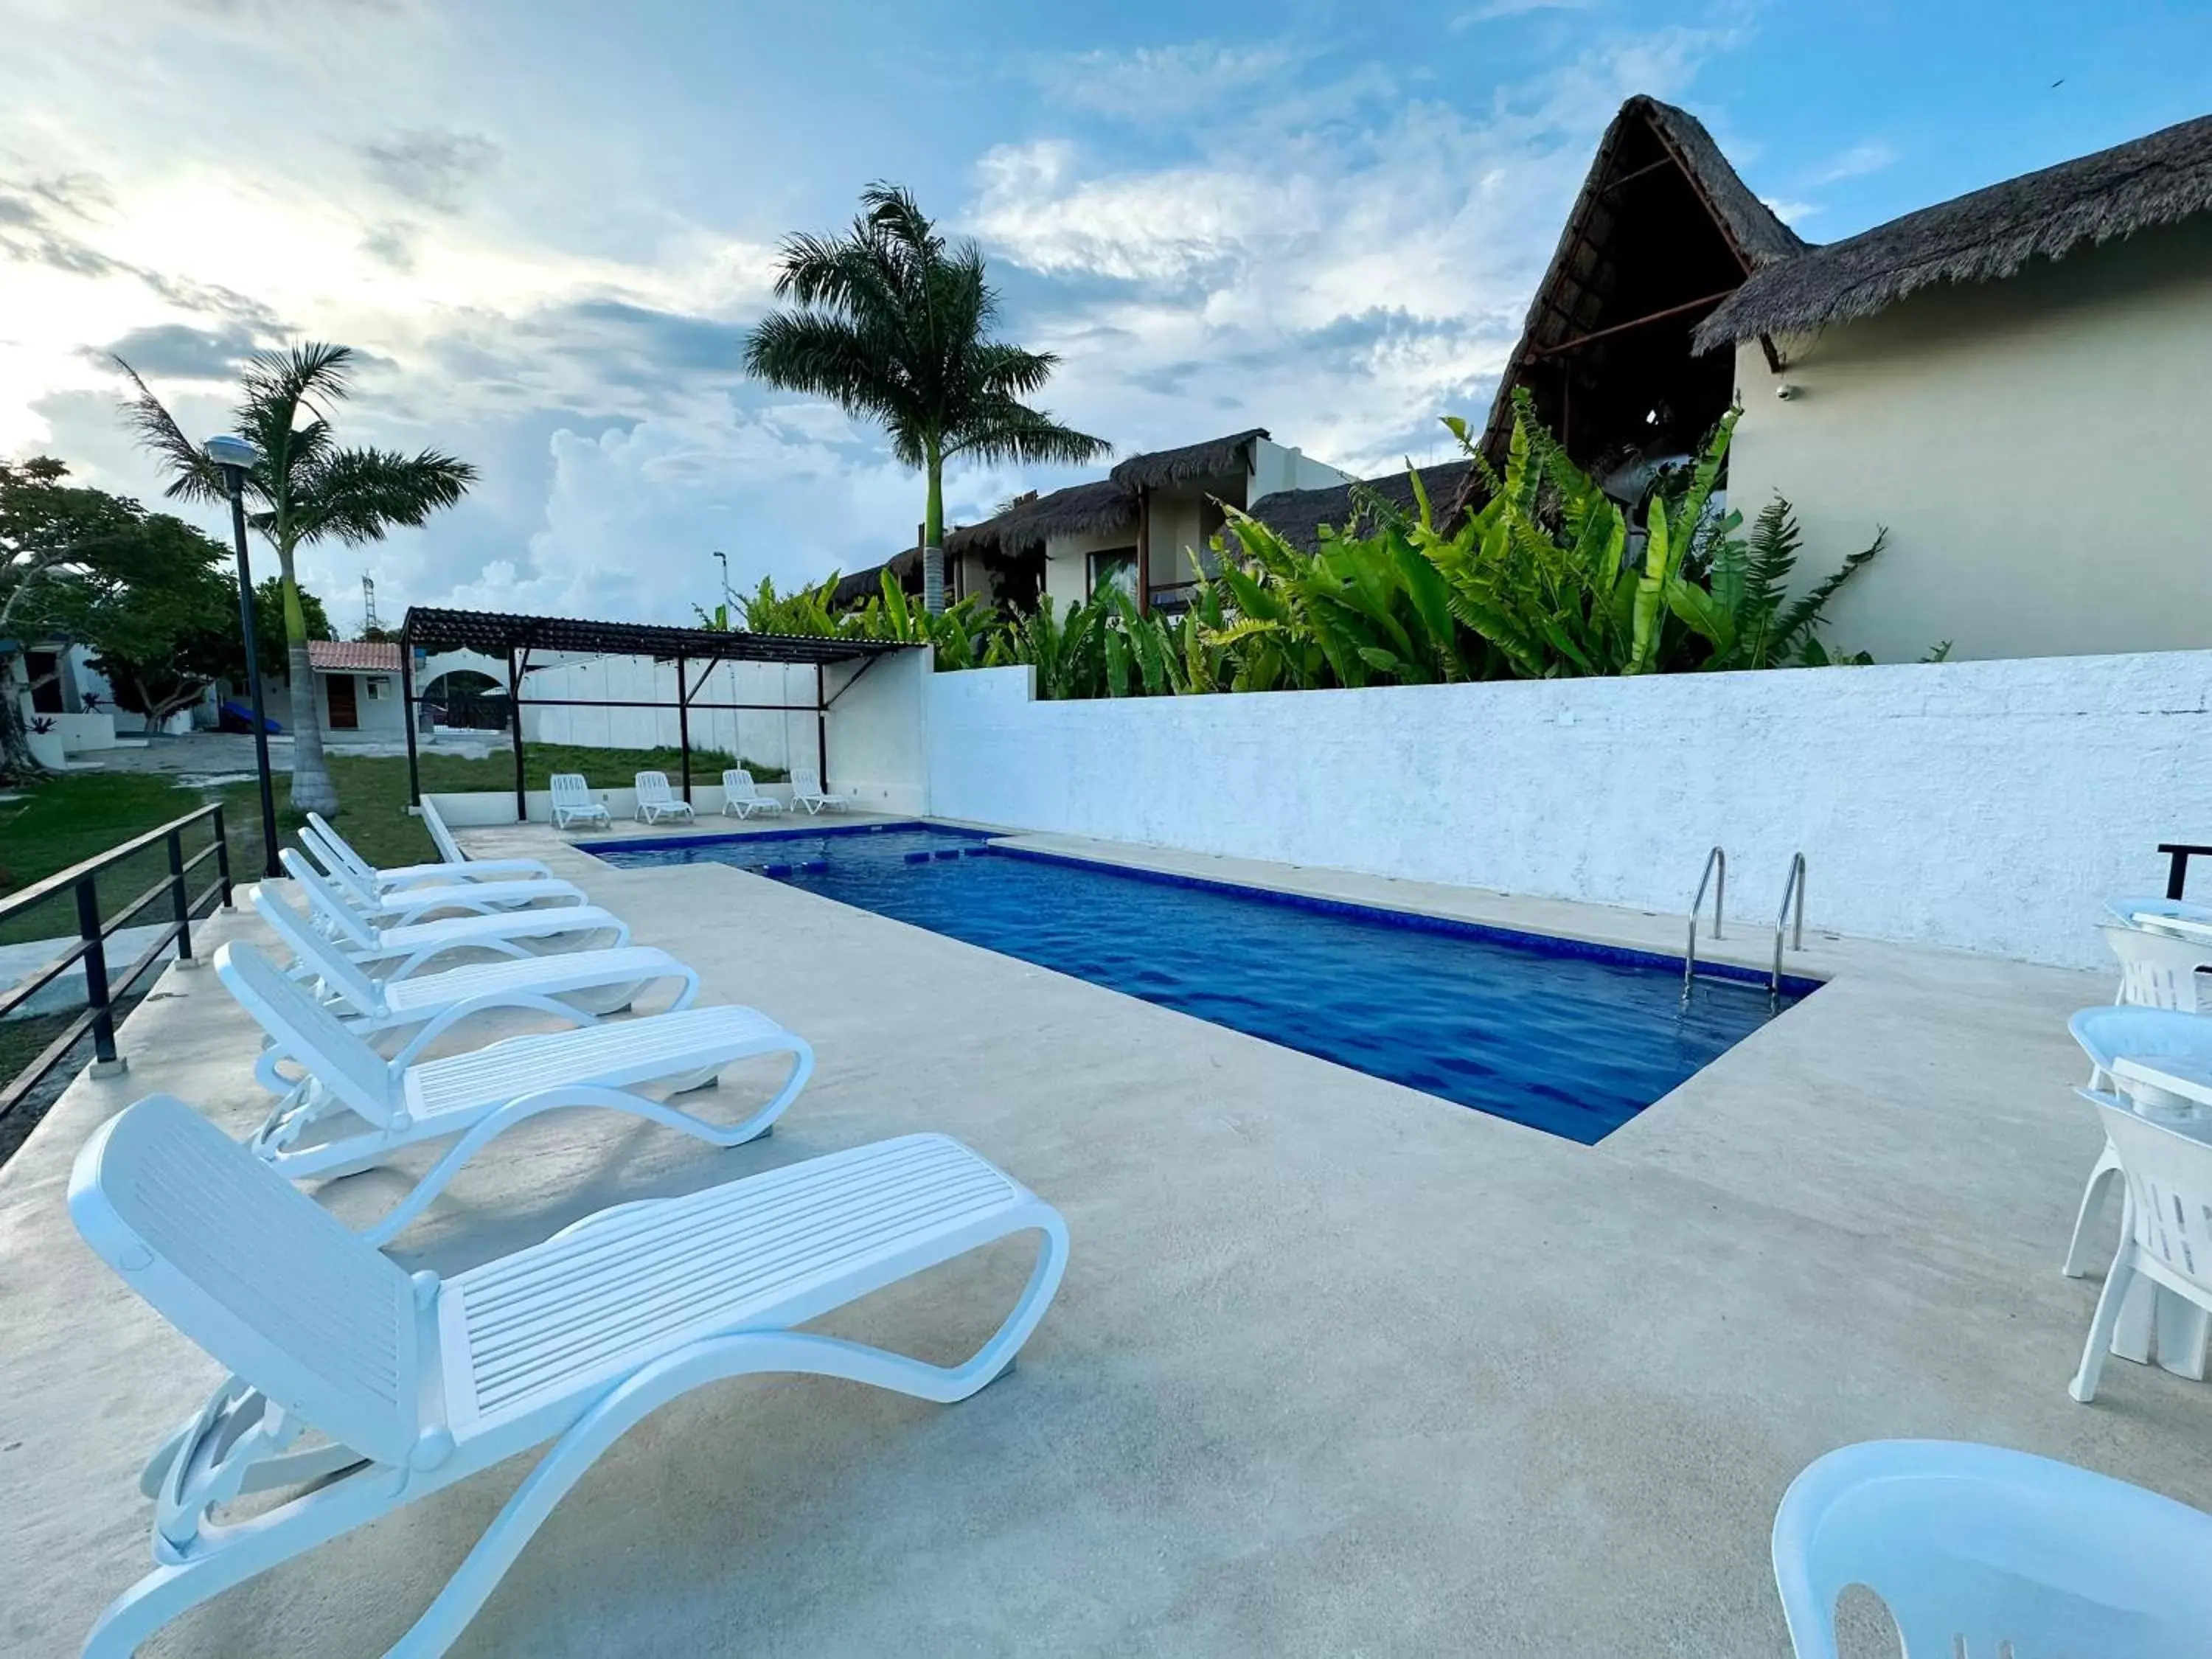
(1794, 888)
(1716, 866)
(1714, 876)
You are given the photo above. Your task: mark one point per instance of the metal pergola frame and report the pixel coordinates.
(495, 633)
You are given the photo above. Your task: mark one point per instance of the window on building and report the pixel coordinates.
(1114, 567)
(379, 688)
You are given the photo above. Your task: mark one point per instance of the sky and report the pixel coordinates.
(546, 227)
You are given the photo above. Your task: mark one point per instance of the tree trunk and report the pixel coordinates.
(932, 539)
(17, 763)
(312, 788)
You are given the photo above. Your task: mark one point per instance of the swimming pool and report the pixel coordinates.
(1570, 1038)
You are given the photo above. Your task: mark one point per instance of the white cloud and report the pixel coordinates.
(1792, 213)
(1342, 270)
(1856, 163)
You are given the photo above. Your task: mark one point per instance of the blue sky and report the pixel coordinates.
(548, 225)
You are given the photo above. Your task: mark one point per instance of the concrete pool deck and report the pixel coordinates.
(1337, 1367)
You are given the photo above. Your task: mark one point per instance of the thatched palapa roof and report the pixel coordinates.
(1212, 459)
(1984, 236)
(1661, 221)
(1075, 511)
(1296, 515)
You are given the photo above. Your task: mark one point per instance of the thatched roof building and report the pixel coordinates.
(1028, 524)
(1984, 236)
(1211, 459)
(1662, 233)
(1296, 515)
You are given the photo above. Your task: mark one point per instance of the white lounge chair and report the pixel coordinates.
(332, 850)
(479, 1096)
(741, 796)
(370, 1388)
(456, 857)
(579, 986)
(2106, 1035)
(401, 952)
(2158, 970)
(2166, 1223)
(656, 801)
(573, 802)
(403, 904)
(806, 793)
(1981, 1551)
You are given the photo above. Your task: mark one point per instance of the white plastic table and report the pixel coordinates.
(2180, 1093)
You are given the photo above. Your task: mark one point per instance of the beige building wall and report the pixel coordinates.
(1067, 563)
(2038, 448)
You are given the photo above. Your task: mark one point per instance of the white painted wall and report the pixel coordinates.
(2036, 448)
(769, 737)
(1284, 466)
(1990, 805)
(877, 713)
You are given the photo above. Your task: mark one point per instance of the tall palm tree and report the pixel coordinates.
(893, 325)
(305, 488)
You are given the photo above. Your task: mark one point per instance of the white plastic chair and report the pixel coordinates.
(334, 847)
(806, 793)
(2140, 909)
(2165, 1225)
(2106, 1035)
(368, 1387)
(2158, 970)
(656, 801)
(456, 856)
(399, 952)
(403, 903)
(1985, 1553)
(577, 986)
(573, 802)
(741, 796)
(365, 1108)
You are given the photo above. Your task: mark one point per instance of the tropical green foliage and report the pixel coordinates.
(1549, 578)
(895, 324)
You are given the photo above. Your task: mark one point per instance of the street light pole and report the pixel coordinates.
(728, 618)
(233, 456)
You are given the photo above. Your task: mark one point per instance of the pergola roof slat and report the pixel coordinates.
(495, 633)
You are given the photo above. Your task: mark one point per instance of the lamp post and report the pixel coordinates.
(234, 458)
(728, 619)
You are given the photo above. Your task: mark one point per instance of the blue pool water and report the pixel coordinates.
(1569, 1038)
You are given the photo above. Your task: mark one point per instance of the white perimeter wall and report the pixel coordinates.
(770, 737)
(1990, 805)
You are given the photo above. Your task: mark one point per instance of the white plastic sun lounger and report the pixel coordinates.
(579, 986)
(456, 857)
(402, 906)
(404, 950)
(656, 801)
(573, 802)
(334, 852)
(384, 1387)
(806, 793)
(741, 796)
(371, 1107)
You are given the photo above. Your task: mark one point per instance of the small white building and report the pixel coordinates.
(357, 694)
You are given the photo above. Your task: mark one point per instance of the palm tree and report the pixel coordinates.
(305, 488)
(893, 325)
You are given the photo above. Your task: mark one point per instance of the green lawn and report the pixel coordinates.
(79, 815)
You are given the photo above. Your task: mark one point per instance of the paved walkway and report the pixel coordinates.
(1338, 1367)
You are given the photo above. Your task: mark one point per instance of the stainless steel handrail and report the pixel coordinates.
(1795, 885)
(1716, 860)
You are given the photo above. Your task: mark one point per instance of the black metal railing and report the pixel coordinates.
(104, 989)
